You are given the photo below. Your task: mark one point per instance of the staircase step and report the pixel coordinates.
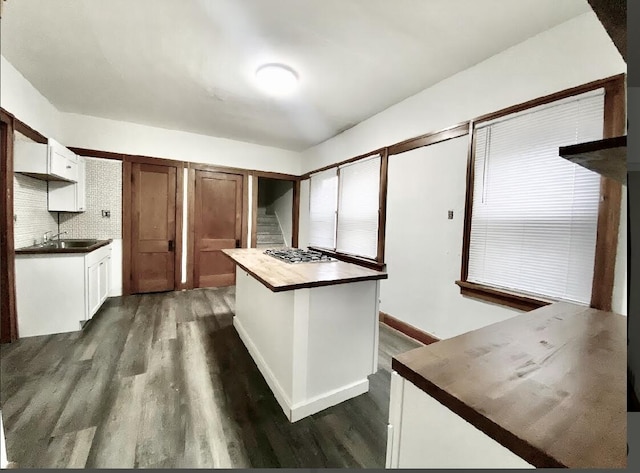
(268, 229)
(271, 241)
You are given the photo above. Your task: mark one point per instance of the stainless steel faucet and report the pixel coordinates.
(45, 237)
(57, 235)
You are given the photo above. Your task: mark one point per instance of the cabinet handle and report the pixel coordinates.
(170, 245)
(68, 167)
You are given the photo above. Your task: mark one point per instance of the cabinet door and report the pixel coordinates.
(63, 196)
(104, 278)
(93, 289)
(68, 196)
(62, 163)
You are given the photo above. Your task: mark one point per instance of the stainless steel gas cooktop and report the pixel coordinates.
(298, 255)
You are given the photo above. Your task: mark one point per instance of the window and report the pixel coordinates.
(344, 208)
(322, 209)
(532, 227)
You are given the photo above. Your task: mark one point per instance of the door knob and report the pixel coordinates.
(170, 245)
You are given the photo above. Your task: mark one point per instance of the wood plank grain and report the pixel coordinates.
(280, 276)
(550, 385)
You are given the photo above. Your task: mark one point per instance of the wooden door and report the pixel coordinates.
(153, 228)
(217, 225)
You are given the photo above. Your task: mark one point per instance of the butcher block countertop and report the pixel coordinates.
(550, 385)
(280, 276)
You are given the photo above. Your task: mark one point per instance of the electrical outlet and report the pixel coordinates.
(106, 213)
(450, 214)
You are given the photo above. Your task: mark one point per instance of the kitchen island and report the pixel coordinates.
(311, 328)
(542, 389)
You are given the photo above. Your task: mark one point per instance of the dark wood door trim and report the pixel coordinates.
(8, 321)
(127, 216)
(445, 134)
(191, 212)
(295, 224)
(179, 226)
(382, 205)
(94, 153)
(254, 210)
(615, 102)
(21, 127)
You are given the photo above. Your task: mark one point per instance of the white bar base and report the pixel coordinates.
(315, 347)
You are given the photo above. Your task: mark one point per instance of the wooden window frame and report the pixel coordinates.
(608, 211)
(378, 261)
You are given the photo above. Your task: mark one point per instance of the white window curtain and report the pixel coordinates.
(358, 205)
(535, 214)
(322, 209)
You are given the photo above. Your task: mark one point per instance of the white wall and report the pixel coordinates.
(121, 137)
(423, 248)
(573, 53)
(19, 97)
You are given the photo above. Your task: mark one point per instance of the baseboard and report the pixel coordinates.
(268, 375)
(329, 399)
(408, 330)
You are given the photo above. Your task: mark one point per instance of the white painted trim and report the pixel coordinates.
(376, 330)
(396, 404)
(300, 349)
(328, 399)
(278, 392)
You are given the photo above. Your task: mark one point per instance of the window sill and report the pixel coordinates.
(367, 263)
(500, 296)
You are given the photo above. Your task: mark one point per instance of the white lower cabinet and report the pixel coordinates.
(55, 292)
(422, 433)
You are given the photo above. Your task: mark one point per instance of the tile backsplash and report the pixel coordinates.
(32, 218)
(103, 192)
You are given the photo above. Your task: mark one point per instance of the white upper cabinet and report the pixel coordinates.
(51, 161)
(69, 196)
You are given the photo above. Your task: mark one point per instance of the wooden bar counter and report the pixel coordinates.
(545, 389)
(311, 328)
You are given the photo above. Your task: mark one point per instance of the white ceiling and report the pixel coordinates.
(189, 64)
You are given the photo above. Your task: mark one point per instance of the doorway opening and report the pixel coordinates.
(274, 213)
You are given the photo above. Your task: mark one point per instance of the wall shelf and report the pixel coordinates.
(607, 157)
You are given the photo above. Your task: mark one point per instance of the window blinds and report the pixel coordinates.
(358, 206)
(322, 209)
(535, 214)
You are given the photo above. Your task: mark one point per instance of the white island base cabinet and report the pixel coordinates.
(56, 292)
(315, 346)
(422, 433)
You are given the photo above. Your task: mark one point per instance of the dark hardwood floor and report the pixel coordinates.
(163, 380)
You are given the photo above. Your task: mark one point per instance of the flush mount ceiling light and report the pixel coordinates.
(277, 79)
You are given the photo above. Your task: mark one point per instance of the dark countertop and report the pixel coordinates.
(280, 276)
(50, 250)
(549, 385)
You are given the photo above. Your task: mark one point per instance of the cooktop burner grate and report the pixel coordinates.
(298, 255)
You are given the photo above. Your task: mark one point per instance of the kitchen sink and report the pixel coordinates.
(70, 243)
